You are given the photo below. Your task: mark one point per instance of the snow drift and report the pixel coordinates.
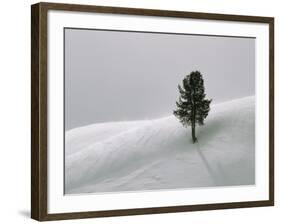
(159, 154)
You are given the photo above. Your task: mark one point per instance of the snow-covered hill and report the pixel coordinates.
(159, 154)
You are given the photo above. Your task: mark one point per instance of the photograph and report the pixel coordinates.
(152, 111)
(145, 111)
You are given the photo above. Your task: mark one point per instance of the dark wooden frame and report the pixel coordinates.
(39, 110)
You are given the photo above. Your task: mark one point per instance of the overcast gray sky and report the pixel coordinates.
(117, 76)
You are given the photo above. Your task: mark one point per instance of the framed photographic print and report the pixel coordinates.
(141, 111)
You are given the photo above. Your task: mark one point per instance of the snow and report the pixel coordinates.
(159, 154)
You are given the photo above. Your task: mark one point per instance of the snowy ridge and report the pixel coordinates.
(159, 154)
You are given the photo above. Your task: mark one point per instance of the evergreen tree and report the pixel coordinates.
(192, 107)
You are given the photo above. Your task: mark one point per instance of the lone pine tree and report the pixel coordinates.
(192, 107)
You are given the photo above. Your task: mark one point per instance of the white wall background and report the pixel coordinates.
(15, 111)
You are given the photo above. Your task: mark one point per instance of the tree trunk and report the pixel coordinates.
(193, 118)
(193, 133)
(193, 123)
